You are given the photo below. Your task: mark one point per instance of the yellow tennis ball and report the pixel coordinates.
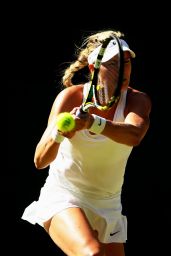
(65, 122)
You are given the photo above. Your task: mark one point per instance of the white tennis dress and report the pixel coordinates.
(88, 173)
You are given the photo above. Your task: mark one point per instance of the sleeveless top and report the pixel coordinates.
(92, 164)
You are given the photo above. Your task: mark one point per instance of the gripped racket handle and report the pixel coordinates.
(80, 112)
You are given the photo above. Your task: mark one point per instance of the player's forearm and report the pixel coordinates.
(125, 133)
(45, 153)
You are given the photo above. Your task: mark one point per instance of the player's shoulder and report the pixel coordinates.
(74, 90)
(135, 93)
(68, 98)
(138, 97)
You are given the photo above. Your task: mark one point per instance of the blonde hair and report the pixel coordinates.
(89, 44)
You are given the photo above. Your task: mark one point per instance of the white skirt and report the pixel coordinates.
(104, 215)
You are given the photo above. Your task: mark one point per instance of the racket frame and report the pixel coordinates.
(91, 99)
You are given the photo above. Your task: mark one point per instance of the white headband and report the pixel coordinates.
(110, 51)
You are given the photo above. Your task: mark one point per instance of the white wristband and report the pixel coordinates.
(56, 136)
(98, 124)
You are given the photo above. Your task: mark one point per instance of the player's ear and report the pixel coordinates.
(91, 67)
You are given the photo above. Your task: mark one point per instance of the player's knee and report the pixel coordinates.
(46, 225)
(94, 248)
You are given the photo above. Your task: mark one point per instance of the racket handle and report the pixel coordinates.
(80, 111)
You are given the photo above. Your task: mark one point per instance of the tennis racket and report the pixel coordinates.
(104, 96)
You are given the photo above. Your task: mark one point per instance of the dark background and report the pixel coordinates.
(38, 42)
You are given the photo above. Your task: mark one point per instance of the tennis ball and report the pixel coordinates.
(65, 122)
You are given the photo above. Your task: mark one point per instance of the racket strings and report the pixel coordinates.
(100, 95)
(108, 93)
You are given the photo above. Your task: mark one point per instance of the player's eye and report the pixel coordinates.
(113, 63)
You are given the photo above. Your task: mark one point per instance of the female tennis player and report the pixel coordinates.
(80, 203)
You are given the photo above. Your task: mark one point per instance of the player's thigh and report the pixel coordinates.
(114, 249)
(71, 231)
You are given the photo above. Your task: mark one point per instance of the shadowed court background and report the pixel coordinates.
(39, 45)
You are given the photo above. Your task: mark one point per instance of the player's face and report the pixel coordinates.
(109, 72)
